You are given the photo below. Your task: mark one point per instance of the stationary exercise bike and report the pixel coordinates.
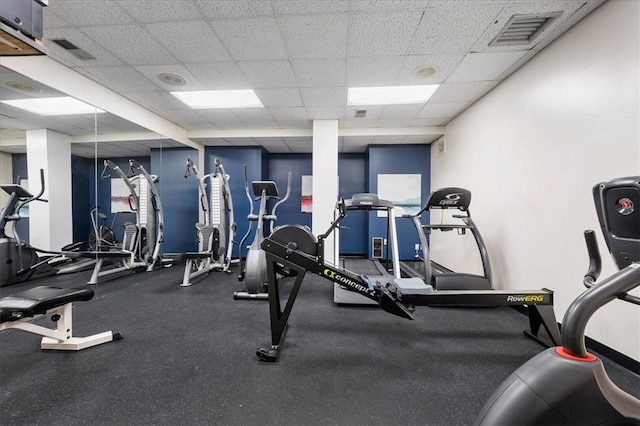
(102, 237)
(567, 385)
(254, 270)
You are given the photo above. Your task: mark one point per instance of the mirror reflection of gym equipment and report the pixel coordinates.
(253, 271)
(142, 240)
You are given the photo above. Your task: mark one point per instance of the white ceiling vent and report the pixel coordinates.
(523, 29)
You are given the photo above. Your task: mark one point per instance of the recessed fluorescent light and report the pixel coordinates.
(203, 99)
(390, 95)
(64, 105)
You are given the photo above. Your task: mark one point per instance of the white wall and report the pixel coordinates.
(530, 152)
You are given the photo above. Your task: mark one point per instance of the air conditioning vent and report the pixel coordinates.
(523, 29)
(73, 49)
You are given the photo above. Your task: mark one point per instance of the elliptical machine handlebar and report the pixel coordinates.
(273, 216)
(584, 306)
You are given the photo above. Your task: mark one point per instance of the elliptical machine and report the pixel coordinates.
(254, 271)
(20, 261)
(567, 385)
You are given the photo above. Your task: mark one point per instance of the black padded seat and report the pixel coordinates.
(39, 300)
(197, 255)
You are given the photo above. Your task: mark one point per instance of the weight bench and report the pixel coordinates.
(16, 311)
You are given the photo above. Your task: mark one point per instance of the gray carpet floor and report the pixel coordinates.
(188, 357)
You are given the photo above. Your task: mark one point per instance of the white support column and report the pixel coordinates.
(51, 223)
(325, 182)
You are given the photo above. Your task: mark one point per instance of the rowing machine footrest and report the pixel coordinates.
(412, 286)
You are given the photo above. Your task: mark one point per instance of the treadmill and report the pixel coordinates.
(371, 268)
(437, 275)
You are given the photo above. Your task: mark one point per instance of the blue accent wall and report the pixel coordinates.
(357, 173)
(280, 165)
(82, 182)
(352, 179)
(179, 197)
(394, 159)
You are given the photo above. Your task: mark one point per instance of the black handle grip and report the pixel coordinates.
(595, 261)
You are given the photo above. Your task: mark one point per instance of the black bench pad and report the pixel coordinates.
(39, 300)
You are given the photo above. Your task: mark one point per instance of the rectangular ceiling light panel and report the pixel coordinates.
(211, 99)
(64, 105)
(390, 95)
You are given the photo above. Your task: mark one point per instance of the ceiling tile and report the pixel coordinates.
(151, 72)
(315, 36)
(279, 97)
(439, 29)
(219, 75)
(254, 117)
(145, 50)
(222, 118)
(384, 34)
(326, 113)
(234, 8)
(250, 39)
(369, 5)
(392, 112)
(443, 65)
(89, 12)
(373, 71)
(268, 74)
(289, 114)
(157, 11)
(432, 110)
(300, 7)
(103, 58)
(461, 92)
(171, 36)
(156, 101)
(372, 112)
(121, 79)
(427, 122)
(323, 96)
(484, 66)
(319, 72)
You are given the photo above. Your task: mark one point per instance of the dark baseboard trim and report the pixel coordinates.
(604, 350)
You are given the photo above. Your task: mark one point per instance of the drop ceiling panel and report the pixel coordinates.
(299, 7)
(121, 78)
(443, 65)
(325, 96)
(461, 92)
(439, 30)
(377, 5)
(319, 72)
(268, 74)
(250, 39)
(219, 75)
(484, 66)
(326, 113)
(171, 35)
(234, 8)
(386, 34)
(156, 11)
(104, 58)
(315, 36)
(289, 114)
(223, 119)
(373, 71)
(279, 97)
(117, 40)
(433, 110)
(400, 112)
(88, 12)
